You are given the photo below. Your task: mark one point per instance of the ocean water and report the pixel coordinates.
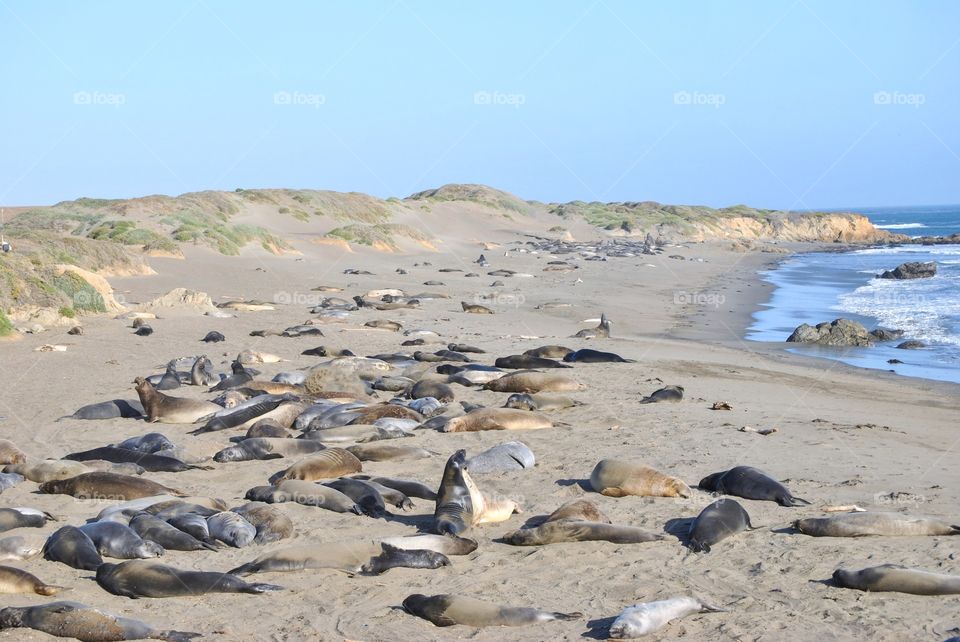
(822, 286)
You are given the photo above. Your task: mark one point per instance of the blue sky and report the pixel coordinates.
(775, 104)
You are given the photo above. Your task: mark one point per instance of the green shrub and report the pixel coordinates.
(70, 313)
(5, 326)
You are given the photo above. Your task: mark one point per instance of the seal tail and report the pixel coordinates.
(177, 636)
(955, 529)
(262, 588)
(245, 569)
(706, 607)
(50, 589)
(798, 501)
(576, 615)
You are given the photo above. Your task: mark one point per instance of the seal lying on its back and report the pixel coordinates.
(893, 577)
(448, 610)
(647, 617)
(716, 522)
(749, 483)
(870, 523)
(75, 620)
(141, 578)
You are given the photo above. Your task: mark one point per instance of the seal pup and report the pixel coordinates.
(524, 401)
(460, 504)
(393, 557)
(231, 528)
(148, 461)
(120, 541)
(526, 362)
(573, 530)
(497, 419)
(472, 308)
(166, 535)
(871, 523)
(265, 448)
(586, 355)
(362, 493)
(533, 382)
(271, 523)
(388, 452)
(511, 455)
(668, 394)
(445, 544)
(749, 483)
(618, 478)
(141, 578)
(171, 410)
(239, 377)
(447, 610)
(326, 464)
(348, 557)
(602, 331)
(213, 337)
(409, 487)
(102, 485)
(13, 580)
(16, 549)
(10, 454)
(463, 347)
(549, 352)
(310, 494)
(427, 388)
(125, 408)
(580, 510)
(48, 469)
(84, 623)
(71, 546)
(893, 577)
(716, 522)
(644, 618)
(11, 518)
(151, 442)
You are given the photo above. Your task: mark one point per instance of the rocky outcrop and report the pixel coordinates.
(886, 334)
(841, 332)
(182, 301)
(912, 344)
(911, 270)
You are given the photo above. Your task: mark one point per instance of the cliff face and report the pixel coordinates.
(845, 228)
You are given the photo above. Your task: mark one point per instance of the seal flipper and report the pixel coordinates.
(245, 569)
(261, 588)
(796, 501)
(576, 615)
(614, 491)
(177, 636)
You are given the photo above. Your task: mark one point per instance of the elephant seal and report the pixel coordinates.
(370, 414)
(668, 394)
(618, 478)
(148, 461)
(497, 419)
(71, 546)
(9, 480)
(239, 377)
(16, 549)
(310, 494)
(326, 464)
(408, 487)
(232, 529)
(192, 524)
(120, 541)
(141, 578)
(463, 347)
(13, 580)
(571, 530)
(11, 518)
(579, 510)
(10, 454)
(460, 504)
(266, 428)
(511, 455)
(48, 470)
(171, 410)
(87, 624)
(446, 544)
(533, 382)
(429, 388)
(473, 308)
(549, 352)
(893, 577)
(870, 523)
(150, 443)
(393, 557)
(271, 523)
(213, 337)
(448, 610)
(123, 408)
(524, 401)
(586, 355)
(362, 493)
(377, 451)
(348, 557)
(526, 362)
(264, 448)
(749, 483)
(602, 331)
(101, 485)
(640, 619)
(716, 522)
(166, 535)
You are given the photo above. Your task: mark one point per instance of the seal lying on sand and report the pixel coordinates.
(72, 547)
(533, 382)
(497, 419)
(669, 394)
(448, 610)
(618, 478)
(644, 618)
(141, 578)
(326, 464)
(87, 624)
(870, 523)
(126, 408)
(511, 455)
(171, 410)
(716, 522)
(100, 485)
(893, 577)
(342, 556)
(571, 530)
(11, 518)
(13, 580)
(586, 355)
(749, 483)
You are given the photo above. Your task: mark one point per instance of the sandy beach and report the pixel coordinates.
(843, 436)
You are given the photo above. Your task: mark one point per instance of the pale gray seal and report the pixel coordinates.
(870, 523)
(893, 577)
(75, 620)
(511, 455)
(640, 619)
(11, 518)
(716, 522)
(393, 557)
(448, 610)
(669, 394)
(120, 541)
